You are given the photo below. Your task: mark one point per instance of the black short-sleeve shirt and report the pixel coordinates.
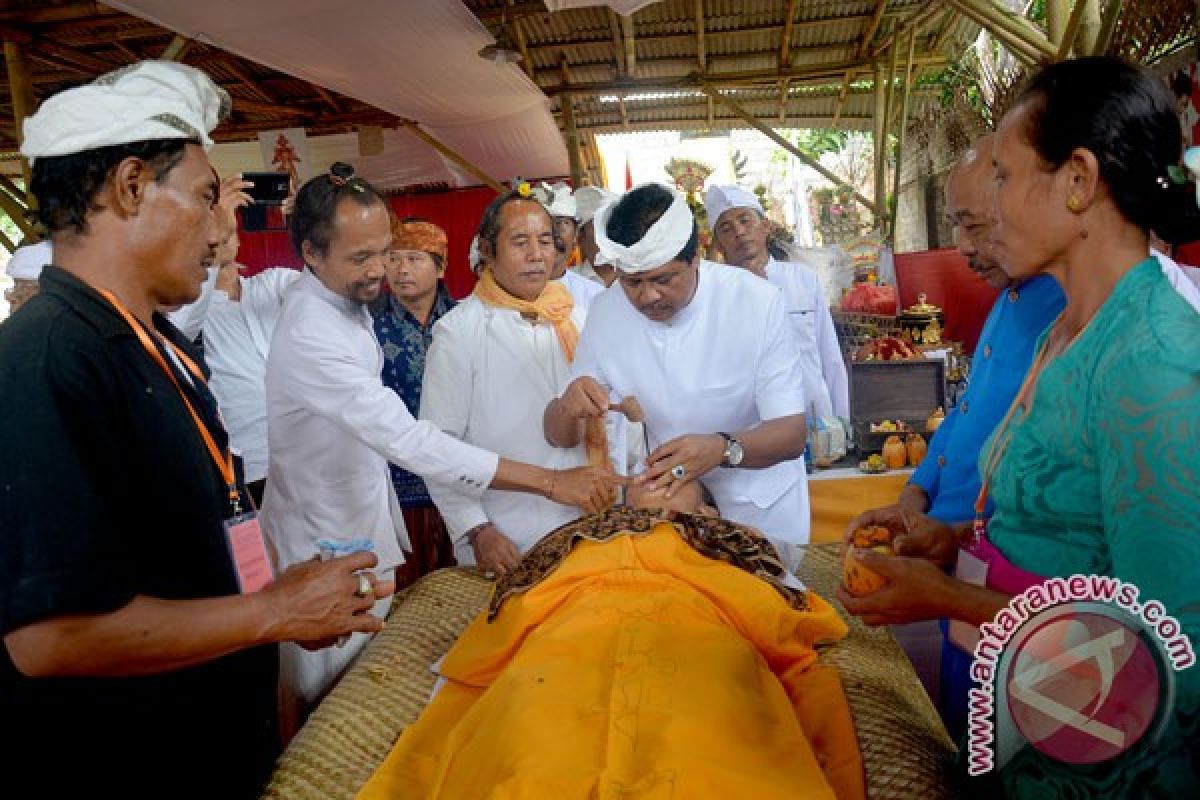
(106, 492)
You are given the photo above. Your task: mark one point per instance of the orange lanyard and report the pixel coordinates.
(1002, 438)
(222, 458)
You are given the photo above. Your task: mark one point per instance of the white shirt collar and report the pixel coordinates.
(319, 289)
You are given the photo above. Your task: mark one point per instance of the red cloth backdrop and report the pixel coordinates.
(457, 211)
(947, 282)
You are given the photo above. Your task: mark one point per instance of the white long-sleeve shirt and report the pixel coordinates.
(237, 339)
(826, 383)
(332, 428)
(726, 362)
(489, 376)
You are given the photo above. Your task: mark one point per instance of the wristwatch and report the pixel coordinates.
(734, 452)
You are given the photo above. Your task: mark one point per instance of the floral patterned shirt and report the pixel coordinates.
(405, 341)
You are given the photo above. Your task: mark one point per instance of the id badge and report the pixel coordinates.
(973, 570)
(249, 551)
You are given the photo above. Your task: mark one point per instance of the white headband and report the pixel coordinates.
(146, 100)
(661, 243)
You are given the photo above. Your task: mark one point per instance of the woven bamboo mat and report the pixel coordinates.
(905, 748)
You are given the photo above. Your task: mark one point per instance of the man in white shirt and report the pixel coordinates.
(495, 362)
(560, 204)
(707, 353)
(741, 228)
(333, 426)
(589, 200)
(241, 319)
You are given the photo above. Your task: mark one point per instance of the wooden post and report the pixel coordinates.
(627, 37)
(177, 49)
(454, 156)
(908, 79)
(880, 134)
(771, 134)
(701, 47)
(522, 45)
(21, 89)
(570, 132)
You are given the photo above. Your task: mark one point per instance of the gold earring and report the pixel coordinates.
(1073, 204)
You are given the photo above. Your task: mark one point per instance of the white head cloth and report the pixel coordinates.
(557, 199)
(588, 201)
(662, 242)
(146, 100)
(719, 199)
(474, 257)
(27, 262)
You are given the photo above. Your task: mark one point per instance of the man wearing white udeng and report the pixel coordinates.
(708, 353)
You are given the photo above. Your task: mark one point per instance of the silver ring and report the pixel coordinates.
(364, 586)
(679, 471)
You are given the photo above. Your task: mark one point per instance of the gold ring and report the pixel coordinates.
(364, 586)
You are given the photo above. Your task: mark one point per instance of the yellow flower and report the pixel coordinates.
(524, 189)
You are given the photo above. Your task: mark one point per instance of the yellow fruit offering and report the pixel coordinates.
(858, 580)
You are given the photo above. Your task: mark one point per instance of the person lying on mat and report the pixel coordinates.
(629, 654)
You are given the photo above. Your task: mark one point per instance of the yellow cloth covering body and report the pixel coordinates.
(637, 669)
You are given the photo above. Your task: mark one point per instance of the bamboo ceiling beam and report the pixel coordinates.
(7, 243)
(614, 24)
(250, 83)
(701, 53)
(177, 49)
(994, 19)
(90, 37)
(831, 71)
(570, 132)
(949, 22)
(522, 43)
(126, 51)
(523, 8)
(85, 60)
(275, 109)
(1108, 26)
(630, 46)
(872, 28)
(785, 41)
(712, 111)
(60, 13)
(771, 134)
(328, 98)
(23, 102)
(453, 155)
(1021, 49)
(624, 113)
(914, 21)
(19, 214)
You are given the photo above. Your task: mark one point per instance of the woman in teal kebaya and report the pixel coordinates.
(1096, 468)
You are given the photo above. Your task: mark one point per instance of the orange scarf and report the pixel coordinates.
(553, 305)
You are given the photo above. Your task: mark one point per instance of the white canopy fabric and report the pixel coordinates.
(417, 59)
(622, 7)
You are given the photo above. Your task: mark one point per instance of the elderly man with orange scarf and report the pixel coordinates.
(495, 363)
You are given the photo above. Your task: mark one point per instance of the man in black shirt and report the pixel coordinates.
(132, 666)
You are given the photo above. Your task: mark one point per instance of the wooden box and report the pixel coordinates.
(908, 391)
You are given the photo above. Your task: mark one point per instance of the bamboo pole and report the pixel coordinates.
(571, 133)
(7, 243)
(177, 49)
(1108, 26)
(1021, 49)
(908, 79)
(1067, 43)
(19, 213)
(880, 139)
(771, 134)
(453, 155)
(1018, 27)
(1056, 20)
(23, 101)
